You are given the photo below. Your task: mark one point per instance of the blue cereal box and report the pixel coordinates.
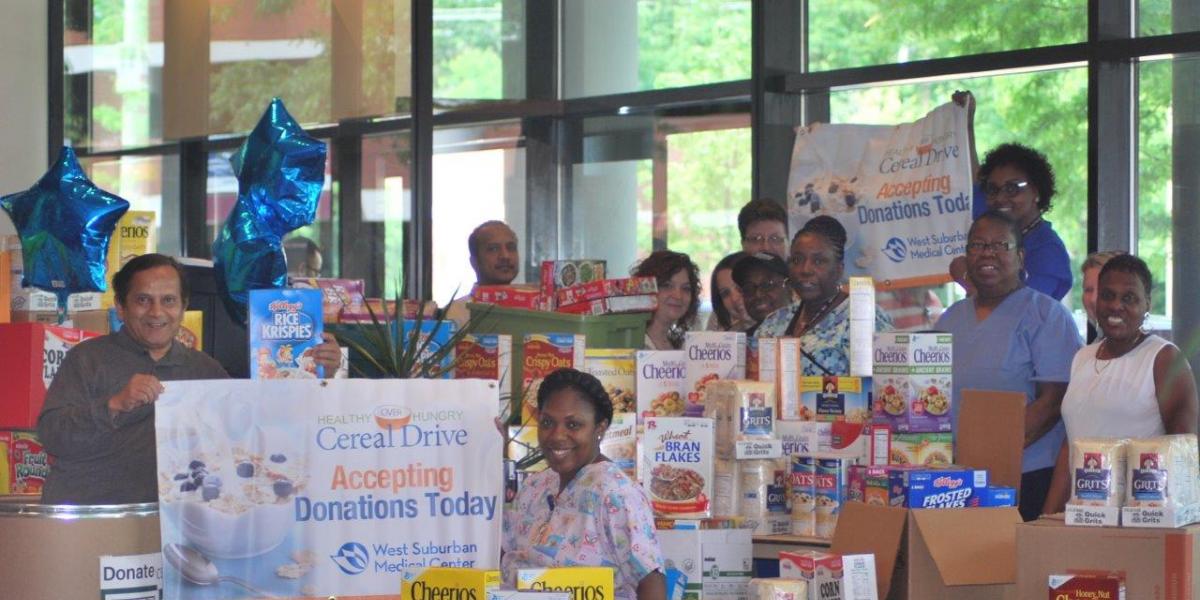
(285, 328)
(936, 488)
(436, 334)
(996, 495)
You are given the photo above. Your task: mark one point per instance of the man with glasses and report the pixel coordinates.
(763, 279)
(763, 225)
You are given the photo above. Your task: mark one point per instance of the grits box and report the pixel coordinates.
(30, 354)
(936, 488)
(28, 464)
(584, 583)
(544, 354)
(678, 466)
(616, 370)
(559, 274)
(832, 398)
(661, 375)
(711, 355)
(447, 582)
(285, 328)
(912, 381)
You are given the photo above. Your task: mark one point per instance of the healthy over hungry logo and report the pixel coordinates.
(352, 558)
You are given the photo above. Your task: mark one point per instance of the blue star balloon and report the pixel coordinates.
(280, 172)
(65, 222)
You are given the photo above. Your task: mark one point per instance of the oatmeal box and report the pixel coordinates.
(616, 369)
(912, 382)
(661, 375)
(620, 443)
(711, 355)
(544, 354)
(677, 466)
(832, 398)
(285, 328)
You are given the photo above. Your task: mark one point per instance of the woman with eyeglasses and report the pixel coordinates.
(1019, 181)
(821, 316)
(728, 306)
(763, 279)
(1130, 384)
(678, 297)
(1009, 337)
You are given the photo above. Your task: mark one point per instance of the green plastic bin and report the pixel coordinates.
(602, 331)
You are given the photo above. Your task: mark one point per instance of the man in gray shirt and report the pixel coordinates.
(98, 419)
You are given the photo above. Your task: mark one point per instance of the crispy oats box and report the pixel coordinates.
(678, 461)
(832, 398)
(544, 354)
(661, 377)
(912, 381)
(620, 443)
(447, 582)
(711, 355)
(617, 371)
(485, 356)
(285, 329)
(584, 583)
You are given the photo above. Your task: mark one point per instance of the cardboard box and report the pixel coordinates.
(611, 306)
(606, 288)
(1162, 564)
(991, 434)
(30, 354)
(718, 563)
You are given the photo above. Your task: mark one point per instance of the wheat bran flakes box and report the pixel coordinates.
(285, 329)
(711, 355)
(661, 376)
(584, 583)
(678, 461)
(617, 371)
(544, 354)
(448, 582)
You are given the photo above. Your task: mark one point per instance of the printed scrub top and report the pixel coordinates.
(601, 519)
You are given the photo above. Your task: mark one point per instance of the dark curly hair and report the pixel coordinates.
(1002, 218)
(662, 265)
(1032, 162)
(585, 384)
(763, 209)
(1128, 263)
(718, 305)
(828, 228)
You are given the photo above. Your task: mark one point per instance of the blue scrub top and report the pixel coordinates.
(1047, 264)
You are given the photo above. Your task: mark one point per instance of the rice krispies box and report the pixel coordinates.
(30, 355)
(285, 329)
(912, 381)
(661, 376)
(28, 463)
(544, 354)
(678, 461)
(711, 355)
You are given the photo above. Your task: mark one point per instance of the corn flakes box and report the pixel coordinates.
(448, 582)
(285, 329)
(711, 355)
(831, 398)
(544, 354)
(620, 443)
(660, 379)
(584, 583)
(485, 356)
(912, 381)
(617, 371)
(678, 461)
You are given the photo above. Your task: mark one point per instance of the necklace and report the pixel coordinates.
(1108, 361)
(803, 324)
(1025, 230)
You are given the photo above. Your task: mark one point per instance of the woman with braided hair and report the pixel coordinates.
(583, 510)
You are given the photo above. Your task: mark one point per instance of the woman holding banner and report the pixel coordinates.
(583, 510)
(821, 316)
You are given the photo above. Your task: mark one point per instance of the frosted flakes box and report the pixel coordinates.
(584, 583)
(912, 381)
(285, 329)
(607, 288)
(447, 582)
(678, 466)
(711, 355)
(833, 398)
(617, 371)
(544, 354)
(661, 376)
(620, 443)
(936, 488)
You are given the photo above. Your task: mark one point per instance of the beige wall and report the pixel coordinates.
(23, 109)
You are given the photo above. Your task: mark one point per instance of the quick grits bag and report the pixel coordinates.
(285, 329)
(1098, 471)
(678, 461)
(1162, 471)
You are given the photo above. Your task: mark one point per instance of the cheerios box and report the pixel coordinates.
(912, 381)
(30, 354)
(616, 369)
(833, 398)
(544, 354)
(448, 582)
(711, 355)
(660, 377)
(584, 583)
(678, 462)
(285, 328)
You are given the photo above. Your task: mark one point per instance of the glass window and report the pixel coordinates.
(387, 206)
(875, 32)
(478, 49)
(148, 183)
(1156, 146)
(1163, 17)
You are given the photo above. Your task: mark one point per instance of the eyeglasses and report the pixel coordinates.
(758, 239)
(751, 289)
(1010, 188)
(993, 247)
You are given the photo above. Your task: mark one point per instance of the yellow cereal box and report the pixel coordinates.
(191, 331)
(832, 398)
(133, 236)
(584, 583)
(616, 369)
(522, 440)
(445, 582)
(5, 472)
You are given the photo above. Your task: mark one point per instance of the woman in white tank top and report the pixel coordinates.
(1128, 385)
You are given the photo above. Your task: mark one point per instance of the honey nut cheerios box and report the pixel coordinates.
(584, 583)
(711, 355)
(661, 375)
(448, 582)
(678, 463)
(912, 381)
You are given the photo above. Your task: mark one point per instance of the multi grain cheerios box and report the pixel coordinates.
(661, 376)
(678, 461)
(285, 328)
(584, 583)
(711, 355)
(912, 382)
(616, 369)
(620, 443)
(544, 354)
(447, 582)
(833, 398)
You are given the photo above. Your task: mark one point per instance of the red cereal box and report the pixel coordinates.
(484, 356)
(556, 274)
(607, 288)
(509, 296)
(338, 295)
(28, 462)
(544, 354)
(30, 354)
(608, 306)
(1086, 586)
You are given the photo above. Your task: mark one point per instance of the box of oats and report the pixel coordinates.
(711, 355)
(678, 461)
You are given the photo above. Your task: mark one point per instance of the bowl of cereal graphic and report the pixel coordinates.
(667, 404)
(934, 400)
(681, 485)
(892, 400)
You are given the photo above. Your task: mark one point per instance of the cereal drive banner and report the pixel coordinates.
(305, 488)
(903, 192)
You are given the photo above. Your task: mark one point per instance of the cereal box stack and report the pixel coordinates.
(285, 329)
(511, 296)
(559, 274)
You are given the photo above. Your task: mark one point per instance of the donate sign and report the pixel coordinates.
(903, 193)
(305, 488)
